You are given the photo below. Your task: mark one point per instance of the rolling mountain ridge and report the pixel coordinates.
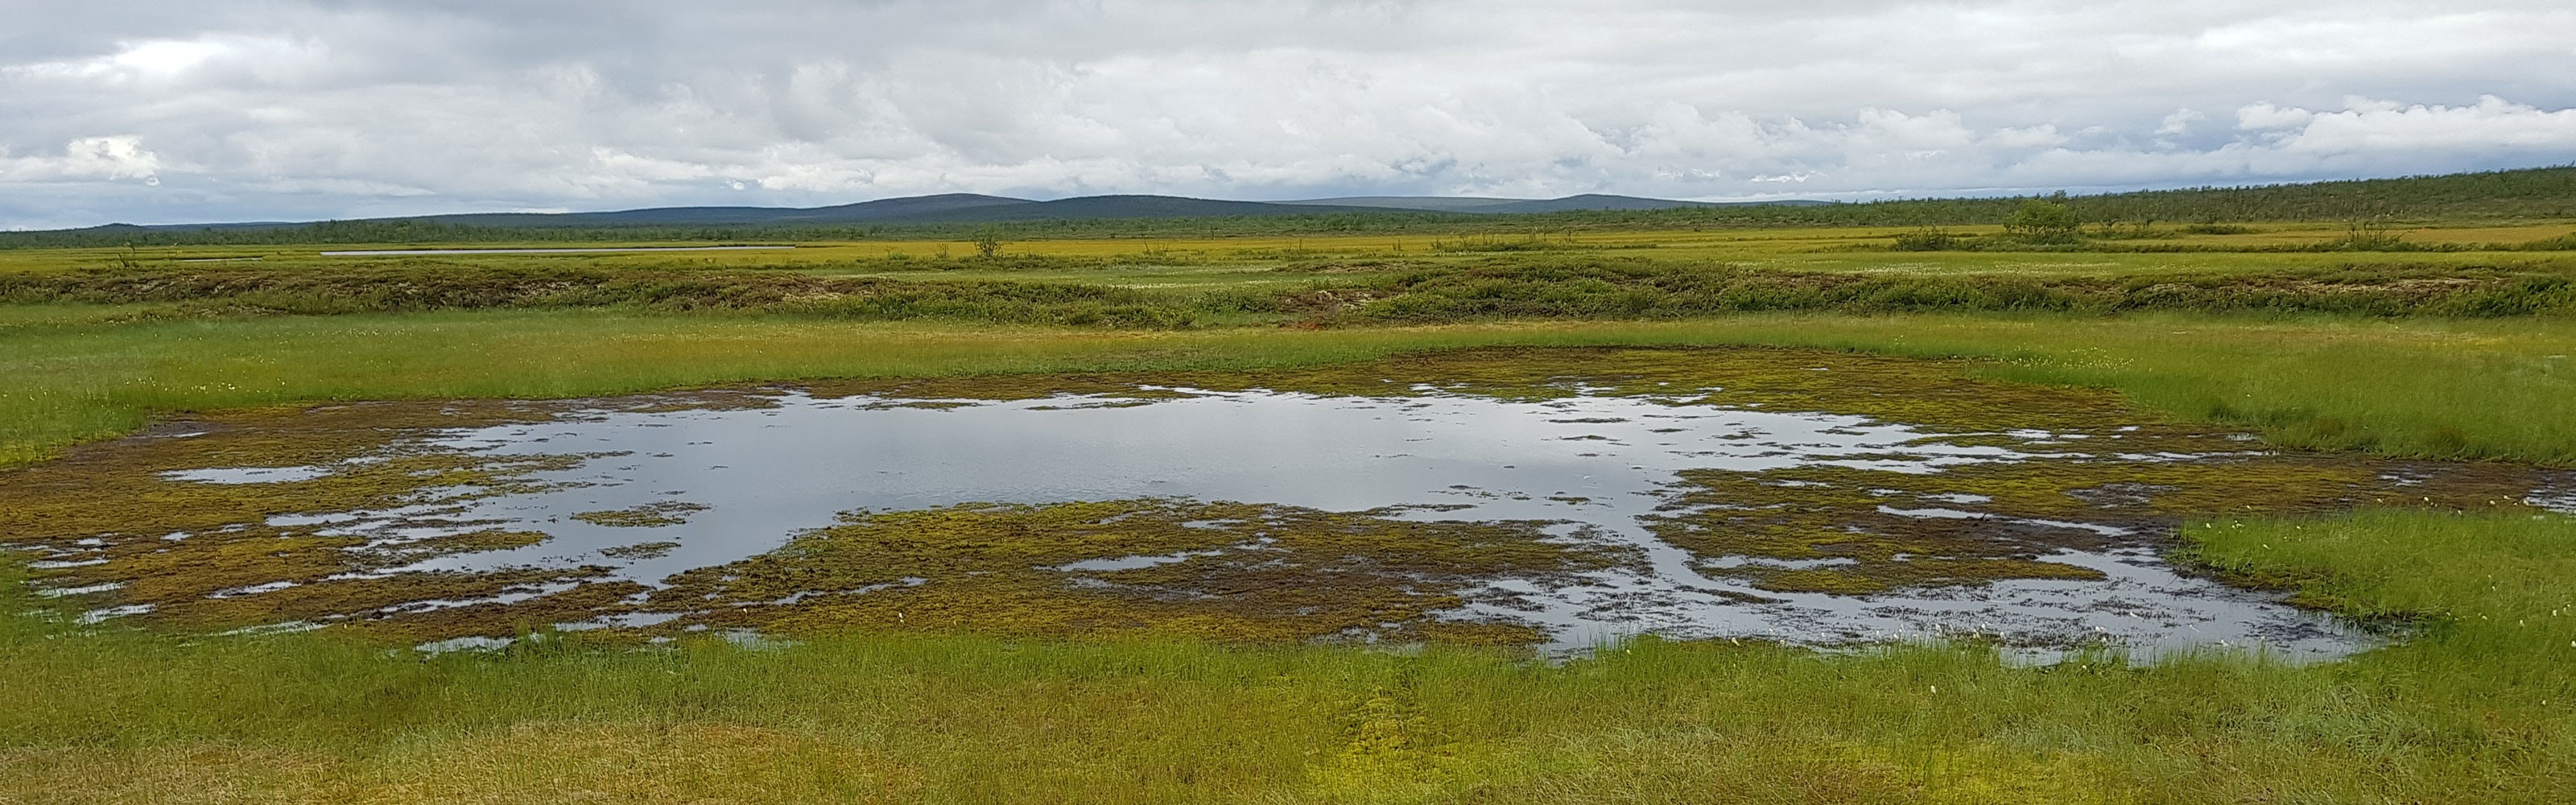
(1507, 206)
(974, 208)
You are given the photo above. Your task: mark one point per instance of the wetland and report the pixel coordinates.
(1553, 498)
(1752, 504)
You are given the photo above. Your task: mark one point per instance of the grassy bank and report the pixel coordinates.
(2423, 387)
(2476, 708)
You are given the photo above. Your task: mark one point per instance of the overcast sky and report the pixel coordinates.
(277, 110)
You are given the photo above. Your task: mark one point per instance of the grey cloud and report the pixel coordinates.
(272, 109)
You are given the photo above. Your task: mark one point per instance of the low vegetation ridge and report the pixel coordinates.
(2536, 193)
(1501, 288)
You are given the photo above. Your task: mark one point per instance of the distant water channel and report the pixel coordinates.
(1600, 467)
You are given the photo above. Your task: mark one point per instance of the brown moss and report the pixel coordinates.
(1227, 571)
(1888, 574)
(650, 515)
(210, 556)
(1982, 522)
(416, 607)
(646, 550)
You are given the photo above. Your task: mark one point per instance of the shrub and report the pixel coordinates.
(1928, 239)
(2040, 221)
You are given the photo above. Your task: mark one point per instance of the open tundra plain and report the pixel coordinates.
(2204, 496)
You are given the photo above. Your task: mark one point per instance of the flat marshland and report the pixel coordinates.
(250, 488)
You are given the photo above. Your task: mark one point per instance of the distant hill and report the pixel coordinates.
(972, 208)
(2524, 194)
(862, 212)
(951, 208)
(1113, 207)
(1510, 206)
(1459, 204)
(954, 208)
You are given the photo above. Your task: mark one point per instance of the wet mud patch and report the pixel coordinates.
(1533, 496)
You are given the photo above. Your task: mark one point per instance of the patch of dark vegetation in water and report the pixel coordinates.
(240, 520)
(645, 550)
(650, 515)
(1883, 530)
(213, 556)
(1226, 571)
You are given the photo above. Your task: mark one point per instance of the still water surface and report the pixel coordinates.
(1596, 465)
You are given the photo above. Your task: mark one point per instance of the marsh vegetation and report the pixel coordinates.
(1561, 498)
(209, 455)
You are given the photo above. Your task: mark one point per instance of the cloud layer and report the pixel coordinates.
(290, 110)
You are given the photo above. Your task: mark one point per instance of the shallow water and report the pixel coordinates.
(747, 479)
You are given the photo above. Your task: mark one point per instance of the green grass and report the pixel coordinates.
(2482, 576)
(2478, 707)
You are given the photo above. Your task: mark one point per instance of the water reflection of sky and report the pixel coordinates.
(1596, 463)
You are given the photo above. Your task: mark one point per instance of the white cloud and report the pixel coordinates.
(173, 64)
(2259, 116)
(2179, 123)
(301, 108)
(152, 59)
(2368, 125)
(93, 158)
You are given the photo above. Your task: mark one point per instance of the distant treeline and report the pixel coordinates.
(2537, 193)
(2545, 193)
